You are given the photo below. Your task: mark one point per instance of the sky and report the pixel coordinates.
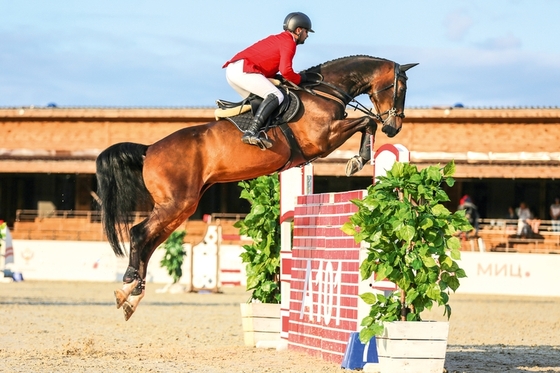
(169, 53)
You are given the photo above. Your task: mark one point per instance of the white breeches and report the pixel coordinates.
(247, 83)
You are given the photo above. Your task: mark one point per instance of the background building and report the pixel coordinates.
(503, 155)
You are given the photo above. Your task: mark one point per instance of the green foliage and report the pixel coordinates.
(3, 228)
(174, 255)
(262, 225)
(412, 241)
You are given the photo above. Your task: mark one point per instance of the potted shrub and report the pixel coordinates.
(261, 314)
(173, 259)
(412, 241)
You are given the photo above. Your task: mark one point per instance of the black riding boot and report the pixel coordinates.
(357, 162)
(263, 112)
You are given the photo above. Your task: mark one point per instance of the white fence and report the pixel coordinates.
(488, 273)
(95, 261)
(510, 274)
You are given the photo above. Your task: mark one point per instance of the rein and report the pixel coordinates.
(348, 100)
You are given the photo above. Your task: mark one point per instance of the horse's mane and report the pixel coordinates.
(316, 68)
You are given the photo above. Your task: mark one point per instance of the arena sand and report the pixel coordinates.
(75, 327)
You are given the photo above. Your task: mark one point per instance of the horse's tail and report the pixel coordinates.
(121, 189)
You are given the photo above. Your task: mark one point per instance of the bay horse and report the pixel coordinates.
(171, 174)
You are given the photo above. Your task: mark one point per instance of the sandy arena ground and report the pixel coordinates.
(75, 327)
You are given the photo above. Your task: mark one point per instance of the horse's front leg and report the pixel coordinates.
(367, 126)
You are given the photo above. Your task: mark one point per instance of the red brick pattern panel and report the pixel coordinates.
(324, 276)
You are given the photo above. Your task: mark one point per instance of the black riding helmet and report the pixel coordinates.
(295, 20)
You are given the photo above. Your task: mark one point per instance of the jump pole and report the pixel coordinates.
(294, 182)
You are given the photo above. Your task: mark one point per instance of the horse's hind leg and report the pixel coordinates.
(138, 240)
(142, 236)
(130, 281)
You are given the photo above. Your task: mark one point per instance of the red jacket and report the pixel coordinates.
(269, 56)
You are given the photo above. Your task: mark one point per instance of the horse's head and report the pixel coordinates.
(387, 95)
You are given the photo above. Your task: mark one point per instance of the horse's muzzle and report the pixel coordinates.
(390, 130)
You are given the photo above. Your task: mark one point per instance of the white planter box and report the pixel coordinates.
(413, 347)
(261, 322)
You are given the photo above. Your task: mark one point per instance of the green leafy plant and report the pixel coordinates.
(262, 225)
(412, 241)
(174, 255)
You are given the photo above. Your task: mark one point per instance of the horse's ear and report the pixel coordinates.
(408, 66)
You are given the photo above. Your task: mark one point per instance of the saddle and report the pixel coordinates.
(241, 113)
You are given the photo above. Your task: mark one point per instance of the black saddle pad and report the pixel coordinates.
(285, 112)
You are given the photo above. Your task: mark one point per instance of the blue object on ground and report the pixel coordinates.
(358, 354)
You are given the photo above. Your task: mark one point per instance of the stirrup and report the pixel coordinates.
(249, 138)
(354, 165)
(262, 142)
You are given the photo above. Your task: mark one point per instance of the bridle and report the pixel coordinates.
(392, 112)
(347, 100)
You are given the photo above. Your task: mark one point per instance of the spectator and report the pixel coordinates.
(471, 213)
(524, 217)
(510, 220)
(510, 215)
(555, 214)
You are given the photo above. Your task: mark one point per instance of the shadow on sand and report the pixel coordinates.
(502, 358)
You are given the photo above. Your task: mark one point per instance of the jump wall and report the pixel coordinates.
(324, 275)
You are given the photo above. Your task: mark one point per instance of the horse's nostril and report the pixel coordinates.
(390, 131)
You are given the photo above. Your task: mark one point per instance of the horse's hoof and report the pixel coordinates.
(128, 310)
(354, 165)
(120, 298)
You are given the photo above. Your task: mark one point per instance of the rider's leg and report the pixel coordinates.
(269, 104)
(246, 83)
(234, 75)
(357, 162)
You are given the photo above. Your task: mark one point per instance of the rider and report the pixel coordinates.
(248, 71)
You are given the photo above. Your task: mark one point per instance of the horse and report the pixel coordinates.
(171, 174)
